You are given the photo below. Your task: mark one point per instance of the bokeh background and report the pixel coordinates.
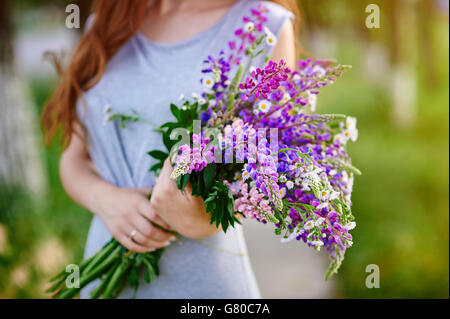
(398, 89)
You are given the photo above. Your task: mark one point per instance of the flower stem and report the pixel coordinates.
(87, 277)
(123, 266)
(98, 290)
(100, 255)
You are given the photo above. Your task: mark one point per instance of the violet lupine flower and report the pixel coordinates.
(262, 82)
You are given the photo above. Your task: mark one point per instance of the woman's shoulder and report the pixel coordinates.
(276, 14)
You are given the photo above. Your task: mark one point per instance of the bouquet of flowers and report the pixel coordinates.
(257, 150)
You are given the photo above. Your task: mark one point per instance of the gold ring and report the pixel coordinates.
(133, 234)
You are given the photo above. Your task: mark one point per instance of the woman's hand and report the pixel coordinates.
(127, 213)
(185, 213)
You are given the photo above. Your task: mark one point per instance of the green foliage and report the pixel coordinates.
(184, 117)
(220, 204)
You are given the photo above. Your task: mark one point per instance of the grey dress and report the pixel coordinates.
(148, 76)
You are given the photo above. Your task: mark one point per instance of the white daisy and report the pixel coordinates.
(350, 225)
(334, 195)
(309, 225)
(195, 95)
(324, 194)
(289, 184)
(354, 134)
(282, 192)
(249, 26)
(350, 122)
(312, 101)
(271, 39)
(264, 106)
(208, 82)
(350, 134)
(344, 176)
(201, 101)
(212, 102)
(340, 139)
(181, 97)
(305, 185)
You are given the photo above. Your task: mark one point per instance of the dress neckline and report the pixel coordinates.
(193, 38)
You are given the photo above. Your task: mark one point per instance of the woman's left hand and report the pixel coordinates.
(186, 214)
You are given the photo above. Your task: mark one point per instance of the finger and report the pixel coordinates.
(146, 229)
(149, 213)
(165, 171)
(168, 164)
(150, 243)
(133, 246)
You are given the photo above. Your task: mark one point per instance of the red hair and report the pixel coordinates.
(116, 21)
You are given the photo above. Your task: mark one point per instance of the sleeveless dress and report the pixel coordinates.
(148, 76)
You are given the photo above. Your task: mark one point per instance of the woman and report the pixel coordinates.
(142, 55)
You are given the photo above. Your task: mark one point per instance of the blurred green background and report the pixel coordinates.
(399, 91)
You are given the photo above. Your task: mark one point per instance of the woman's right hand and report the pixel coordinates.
(127, 214)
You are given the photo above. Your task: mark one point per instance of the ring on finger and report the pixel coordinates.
(133, 234)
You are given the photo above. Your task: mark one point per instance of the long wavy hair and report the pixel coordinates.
(116, 21)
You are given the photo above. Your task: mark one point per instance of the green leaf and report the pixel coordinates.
(169, 125)
(156, 167)
(175, 111)
(159, 155)
(182, 181)
(209, 174)
(133, 277)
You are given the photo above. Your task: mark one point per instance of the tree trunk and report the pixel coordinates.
(20, 160)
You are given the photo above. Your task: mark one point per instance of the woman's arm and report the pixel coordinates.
(285, 47)
(123, 210)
